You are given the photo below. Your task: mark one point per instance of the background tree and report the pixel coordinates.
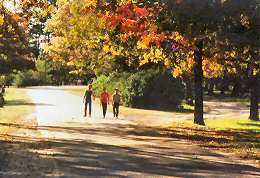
(243, 35)
(14, 44)
(190, 38)
(78, 43)
(212, 27)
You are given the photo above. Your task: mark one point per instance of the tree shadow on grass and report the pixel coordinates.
(45, 88)
(165, 109)
(183, 133)
(21, 102)
(84, 157)
(251, 124)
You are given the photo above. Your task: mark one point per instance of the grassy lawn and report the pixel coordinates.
(77, 90)
(190, 108)
(18, 106)
(237, 135)
(235, 123)
(242, 101)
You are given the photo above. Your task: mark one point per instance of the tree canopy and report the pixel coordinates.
(192, 38)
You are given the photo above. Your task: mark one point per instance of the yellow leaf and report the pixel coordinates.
(255, 72)
(1, 20)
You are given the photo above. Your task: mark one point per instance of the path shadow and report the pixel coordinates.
(84, 157)
(129, 130)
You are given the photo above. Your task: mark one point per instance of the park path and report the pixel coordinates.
(61, 143)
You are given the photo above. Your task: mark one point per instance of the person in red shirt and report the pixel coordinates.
(104, 101)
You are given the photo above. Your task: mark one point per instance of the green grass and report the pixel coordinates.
(18, 105)
(242, 101)
(240, 123)
(190, 108)
(233, 135)
(77, 90)
(235, 123)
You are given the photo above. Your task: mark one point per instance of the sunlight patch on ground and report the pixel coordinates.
(44, 152)
(88, 167)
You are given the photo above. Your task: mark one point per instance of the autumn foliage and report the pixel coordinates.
(92, 37)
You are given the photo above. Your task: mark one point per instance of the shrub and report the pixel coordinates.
(25, 78)
(6, 80)
(43, 72)
(2, 80)
(145, 89)
(41, 76)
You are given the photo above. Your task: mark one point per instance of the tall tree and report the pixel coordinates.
(14, 44)
(78, 43)
(37, 12)
(17, 20)
(198, 21)
(242, 33)
(212, 26)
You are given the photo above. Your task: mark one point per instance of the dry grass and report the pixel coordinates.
(243, 141)
(18, 105)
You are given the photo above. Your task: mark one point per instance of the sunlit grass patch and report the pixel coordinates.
(235, 123)
(190, 108)
(77, 90)
(18, 105)
(236, 135)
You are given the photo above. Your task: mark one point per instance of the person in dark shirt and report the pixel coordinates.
(2, 89)
(89, 95)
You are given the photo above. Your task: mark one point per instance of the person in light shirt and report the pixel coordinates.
(116, 103)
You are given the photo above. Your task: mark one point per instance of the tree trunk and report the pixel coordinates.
(198, 79)
(188, 92)
(254, 98)
(223, 87)
(210, 87)
(236, 88)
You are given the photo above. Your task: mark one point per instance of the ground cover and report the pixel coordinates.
(232, 135)
(235, 134)
(18, 106)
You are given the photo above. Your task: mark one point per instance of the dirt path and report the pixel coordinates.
(64, 144)
(220, 109)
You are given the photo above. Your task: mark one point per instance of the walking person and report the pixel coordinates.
(2, 100)
(3, 89)
(116, 103)
(104, 101)
(89, 95)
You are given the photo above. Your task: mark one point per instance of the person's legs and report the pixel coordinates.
(104, 105)
(85, 109)
(90, 107)
(114, 109)
(117, 109)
